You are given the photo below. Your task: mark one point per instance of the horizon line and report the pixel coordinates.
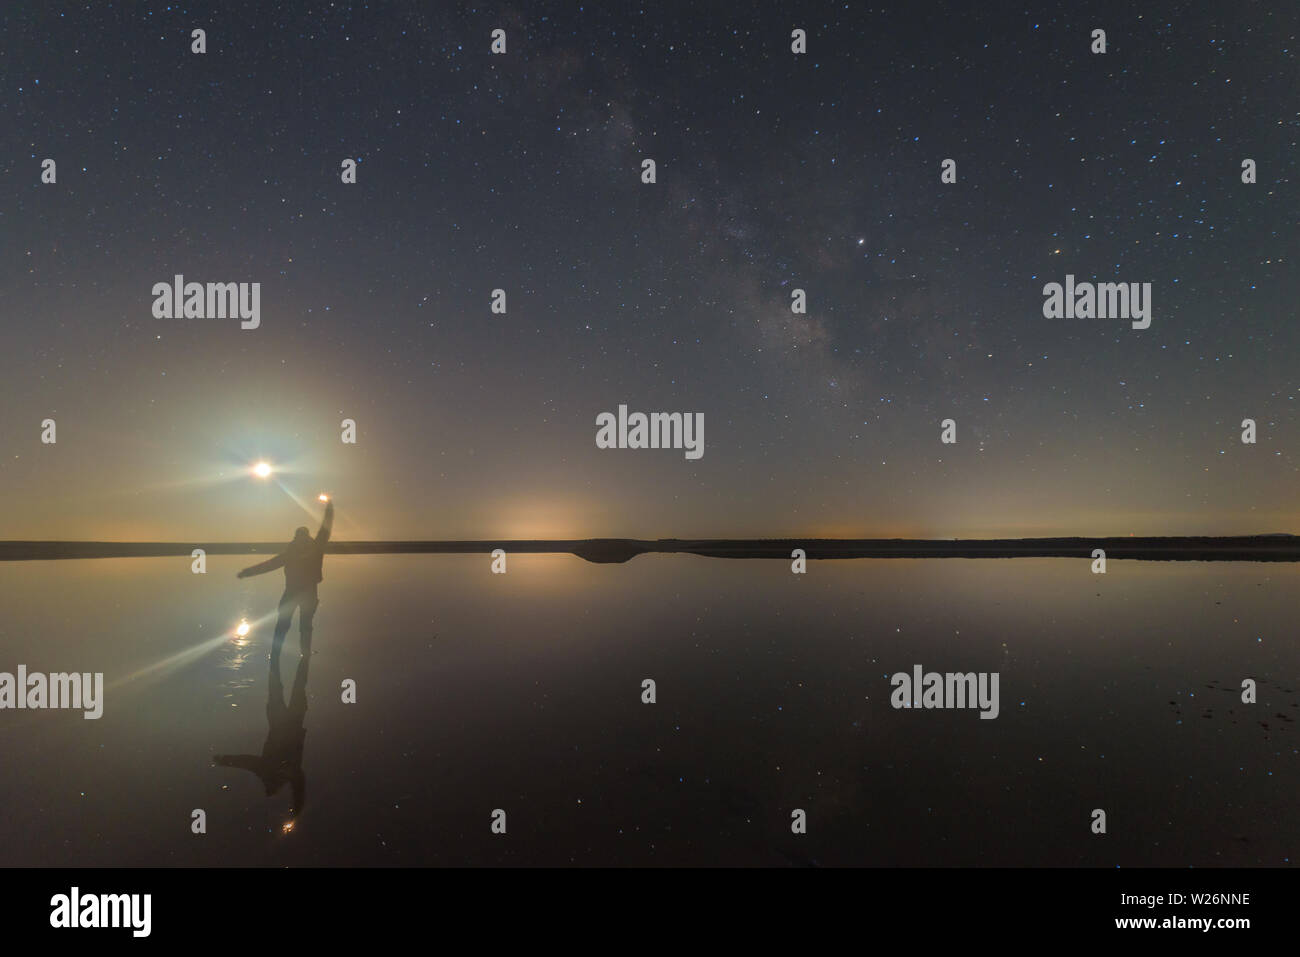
(1270, 546)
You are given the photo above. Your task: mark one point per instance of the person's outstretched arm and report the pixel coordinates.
(327, 524)
(270, 565)
(249, 762)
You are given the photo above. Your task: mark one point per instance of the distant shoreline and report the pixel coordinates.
(1248, 548)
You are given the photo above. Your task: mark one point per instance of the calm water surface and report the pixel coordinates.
(523, 692)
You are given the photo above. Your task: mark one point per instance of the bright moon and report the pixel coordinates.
(262, 470)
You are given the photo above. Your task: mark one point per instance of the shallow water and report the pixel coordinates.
(523, 692)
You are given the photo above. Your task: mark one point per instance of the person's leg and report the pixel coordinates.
(275, 707)
(306, 611)
(287, 603)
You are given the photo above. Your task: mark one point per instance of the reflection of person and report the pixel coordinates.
(302, 562)
(281, 759)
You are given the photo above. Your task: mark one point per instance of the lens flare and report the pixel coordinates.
(323, 497)
(243, 629)
(262, 469)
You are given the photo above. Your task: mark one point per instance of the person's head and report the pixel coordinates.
(301, 535)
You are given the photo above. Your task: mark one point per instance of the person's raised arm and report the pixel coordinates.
(270, 565)
(327, 524)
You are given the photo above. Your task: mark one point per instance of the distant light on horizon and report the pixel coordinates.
(323, 497)
(262, 470)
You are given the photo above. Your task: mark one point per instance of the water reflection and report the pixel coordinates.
(280, 762)
(1121, 691)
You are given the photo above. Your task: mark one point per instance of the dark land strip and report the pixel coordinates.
(1242, 548)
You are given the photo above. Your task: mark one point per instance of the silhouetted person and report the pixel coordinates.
(281, 759)
(302, 562)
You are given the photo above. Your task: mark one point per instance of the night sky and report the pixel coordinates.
(775, 171)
